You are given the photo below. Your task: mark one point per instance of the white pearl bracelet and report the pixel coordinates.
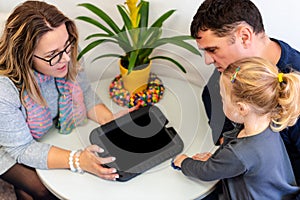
(77, 163)
(71, 164)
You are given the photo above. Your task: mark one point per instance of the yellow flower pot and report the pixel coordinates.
(137, 80)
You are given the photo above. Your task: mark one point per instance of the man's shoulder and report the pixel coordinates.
(289, 58)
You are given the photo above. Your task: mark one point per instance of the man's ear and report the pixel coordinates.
(244, 35)
(243, 108)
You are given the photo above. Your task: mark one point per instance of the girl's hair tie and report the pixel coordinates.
(280, 77)
(233, 77)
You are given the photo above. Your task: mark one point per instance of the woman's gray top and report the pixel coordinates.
(16, 142)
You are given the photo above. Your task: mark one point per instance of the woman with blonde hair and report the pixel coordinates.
(264, 101)
(41, 85)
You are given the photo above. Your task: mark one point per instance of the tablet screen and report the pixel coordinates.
(138, 140)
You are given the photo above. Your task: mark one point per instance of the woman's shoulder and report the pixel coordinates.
(7, 85)
(8, 91)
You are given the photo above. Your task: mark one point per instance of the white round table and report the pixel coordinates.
(183, 107)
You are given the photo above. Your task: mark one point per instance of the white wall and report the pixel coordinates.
(280, 19)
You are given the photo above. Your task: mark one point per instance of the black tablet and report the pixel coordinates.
(139, 140)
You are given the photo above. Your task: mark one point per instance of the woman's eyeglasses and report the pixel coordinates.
(57, 57)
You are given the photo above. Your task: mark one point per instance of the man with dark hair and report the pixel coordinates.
(228, 30)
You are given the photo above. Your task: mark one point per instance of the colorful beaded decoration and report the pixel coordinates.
(151, 95)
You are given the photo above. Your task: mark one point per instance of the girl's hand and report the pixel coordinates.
(179, 159)
(202, 156)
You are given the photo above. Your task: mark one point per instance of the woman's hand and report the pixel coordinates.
(102, 115)
(91, 162)
(124, 112)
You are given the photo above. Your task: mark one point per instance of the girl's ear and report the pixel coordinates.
(243, 108)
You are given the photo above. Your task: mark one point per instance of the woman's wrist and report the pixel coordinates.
(71, 161)
(100, 114)
(74, 161)
(77, 162)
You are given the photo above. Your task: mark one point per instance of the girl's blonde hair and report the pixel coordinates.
(23, 29)
(258, 82)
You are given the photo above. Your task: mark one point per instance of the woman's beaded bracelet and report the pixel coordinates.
(71, 163)
(77, 163)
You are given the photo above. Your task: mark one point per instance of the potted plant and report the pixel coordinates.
(134, 37)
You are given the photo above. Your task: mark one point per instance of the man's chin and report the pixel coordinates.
(220, 69)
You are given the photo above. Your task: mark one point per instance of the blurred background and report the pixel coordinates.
(280, 20)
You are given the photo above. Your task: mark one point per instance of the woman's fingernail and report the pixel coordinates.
(113, 158)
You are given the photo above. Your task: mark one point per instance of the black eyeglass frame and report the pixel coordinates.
(60, 54)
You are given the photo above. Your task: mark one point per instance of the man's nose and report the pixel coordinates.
(208, 58)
